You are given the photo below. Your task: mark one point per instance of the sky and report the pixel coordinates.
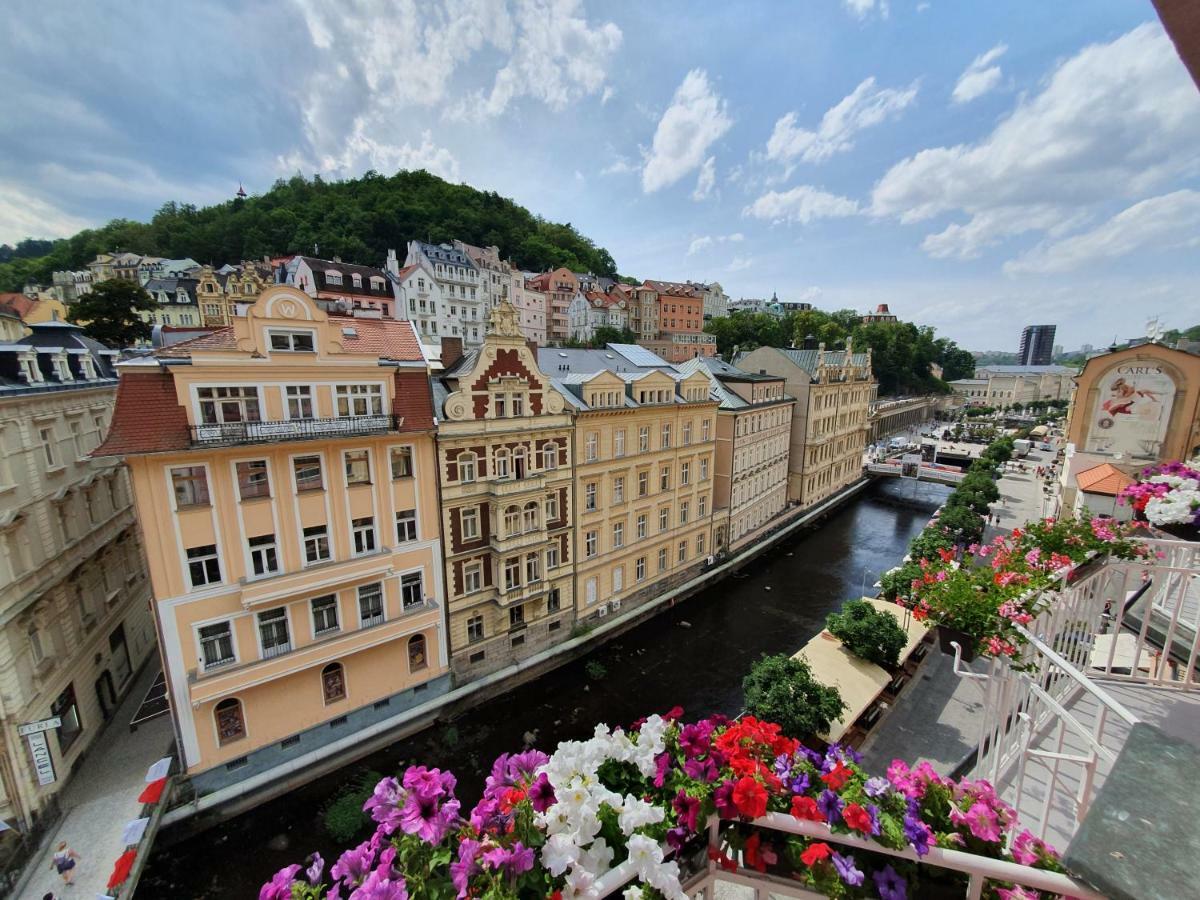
(978, 166)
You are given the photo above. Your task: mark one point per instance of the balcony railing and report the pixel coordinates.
(225, 433)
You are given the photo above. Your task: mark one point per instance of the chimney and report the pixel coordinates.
(452, 351)
(392, 265)
(810, 342)
(533, 347)
(337, 259)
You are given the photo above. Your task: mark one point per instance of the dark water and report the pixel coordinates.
(693, 655)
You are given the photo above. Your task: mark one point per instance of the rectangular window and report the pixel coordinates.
(308, 473)
(619, 443)
(325, 614)
(472, 578)
(363, 532)
(664, 518)
(402, 462)
(641, 526)
(589, 544)
(700, 545)
(553, 602)
(685, 473)
(370, 605)
(316, 544)
(589, 494)
(618, 579)
(552, 557)
(516, 615)
(533, 568)
(591, 448)
(252, 479)
(643, 483)
(684, 512)
(666, 436)
(406, 525)
(292, 341)
(644, 439)
(619, 534)
(551, 506)
(640, 568)
(704, 428)
(662, 560)
(203, 565)
(664, 479)
(358, 400)
(216, 645)
(299, 401)
(470, 523)
(273, 632)
(228, 405)
(264, 556)
(619, 489)
(77, 438)
(703, 506)
(550, 456)
(475, 628)
(682, 551)
(191, 486)
(512, 573)
(412, 591)
(704, 469)
(687, 433)
(358, 466)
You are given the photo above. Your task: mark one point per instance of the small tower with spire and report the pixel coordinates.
(241, 192)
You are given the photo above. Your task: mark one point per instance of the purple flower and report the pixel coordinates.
(676, 837)
(662, 765)
(694, 739)
(846, 871)
(541, 794)
(830, 805)
(798, 783)
(876, 787)
(280, 886)
(521, 766)
(873, 812)
(379, 886)
(688, 809)
(316, 866)
(723, 798)
(917, 833)
(890, 884)
(466, 866)
(428, 818)
(520, 859)
(384, 804)
(353, 865)
(486, 814)
(701, 770)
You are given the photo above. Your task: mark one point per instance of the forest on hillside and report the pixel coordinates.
(358, 219)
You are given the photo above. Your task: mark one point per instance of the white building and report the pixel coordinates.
(419, 299)
(464, 295)
(593, 310)
(1006, 385)
(716, 301)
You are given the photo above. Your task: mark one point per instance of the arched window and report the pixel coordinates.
(416, 653)
(529, 518)
(550, 456)
(231, 724)
(333, 682)
(503, 469)
(466, 467)
(512, 520)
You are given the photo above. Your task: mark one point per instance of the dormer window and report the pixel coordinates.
(88, 367)
(376, 283)
(356, 280)
(29, 368)
(333, 277)
(292, 341)
(62, 369)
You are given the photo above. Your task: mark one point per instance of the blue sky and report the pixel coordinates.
(978, 166)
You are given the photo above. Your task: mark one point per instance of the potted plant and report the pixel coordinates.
(1168, 497)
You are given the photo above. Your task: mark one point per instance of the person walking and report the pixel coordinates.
(63, 862)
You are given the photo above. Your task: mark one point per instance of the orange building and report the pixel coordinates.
(680, 327)
(283, 474)
(560, 287)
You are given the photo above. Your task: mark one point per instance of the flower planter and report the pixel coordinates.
(1085, 568)
(1182, 532)
(946, 634)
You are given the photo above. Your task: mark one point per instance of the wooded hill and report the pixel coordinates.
(359, 220)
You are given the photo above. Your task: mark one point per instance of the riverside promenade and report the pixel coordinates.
(937, 720)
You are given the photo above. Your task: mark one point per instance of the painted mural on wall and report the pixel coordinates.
(1132, 411)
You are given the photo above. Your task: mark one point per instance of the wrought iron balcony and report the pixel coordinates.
(228, 433)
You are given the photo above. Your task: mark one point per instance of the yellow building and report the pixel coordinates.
(218, 293)
(504, 452)
(644, 476)
(834, 390)
(283, 475)
(754, 424)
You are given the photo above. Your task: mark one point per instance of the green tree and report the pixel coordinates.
(782, 689)
(868, 633)
(109, 312)
(607, 334)
(962, 523)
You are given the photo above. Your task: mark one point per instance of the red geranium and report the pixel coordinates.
(837, 777)
(806, 808)
(720, 859)
(857, 818)
(750, 798)
(815, 853)
(753, 858)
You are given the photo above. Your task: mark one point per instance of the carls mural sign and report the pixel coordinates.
(39, 749)
(1133, 409)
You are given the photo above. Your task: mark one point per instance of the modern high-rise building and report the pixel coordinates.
(1037, 346)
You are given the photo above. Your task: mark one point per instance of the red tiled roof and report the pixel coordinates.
(17, 304)
(403, 273)
(147, 417)
(390, 338)
(413, 401)
(1103, 479)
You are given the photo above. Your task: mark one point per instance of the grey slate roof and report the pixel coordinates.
(1027, 370)
(446, 253)
(51, 336)
(807, 359)
(620, 358)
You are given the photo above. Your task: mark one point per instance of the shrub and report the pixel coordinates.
(868, 633)
(963, 523)
(782, 689)
(343, 814)
(595, 669)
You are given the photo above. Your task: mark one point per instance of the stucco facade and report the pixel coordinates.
(283, 474)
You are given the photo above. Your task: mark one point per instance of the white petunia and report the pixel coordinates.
(665, 877)
(598, 857)
(580, 883)
(645, 855)
(635, 813)
(560, 853)
(633, 892)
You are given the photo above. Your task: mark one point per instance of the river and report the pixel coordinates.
(693, 655)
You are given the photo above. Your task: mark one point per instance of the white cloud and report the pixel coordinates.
(738, 263)
(706, 179)
(620, 166)
(1160, 223)
(1114, 121)
(863, 8)
(24, 215)
(980, 76)
(694, 121)
(360, 151)
(707, 240)
(863, 107)
(801, 204)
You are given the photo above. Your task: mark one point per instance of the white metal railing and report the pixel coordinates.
(979, 869)
(1051, 728)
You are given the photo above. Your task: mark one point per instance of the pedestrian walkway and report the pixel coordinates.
(937, 719)
(100, 799)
